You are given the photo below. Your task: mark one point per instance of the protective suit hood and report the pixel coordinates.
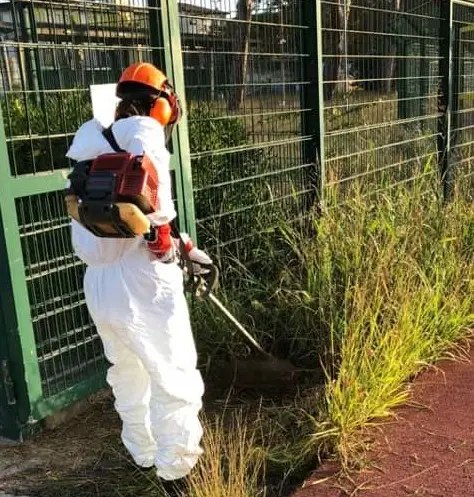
(88, 142)
(136, 134)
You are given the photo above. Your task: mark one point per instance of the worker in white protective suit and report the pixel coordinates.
(134, 291)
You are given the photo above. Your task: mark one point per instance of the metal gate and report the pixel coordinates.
(51, 52)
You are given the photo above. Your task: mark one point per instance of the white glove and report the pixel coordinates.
(197, 256)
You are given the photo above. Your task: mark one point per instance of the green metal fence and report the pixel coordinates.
(244, 75)
(381, 81)
(291, 103)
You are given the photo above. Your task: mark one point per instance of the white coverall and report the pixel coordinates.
(141, 314)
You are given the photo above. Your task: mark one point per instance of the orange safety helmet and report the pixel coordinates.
(143, 78)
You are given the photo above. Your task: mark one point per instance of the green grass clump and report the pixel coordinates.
(391, 279)
(233, 462)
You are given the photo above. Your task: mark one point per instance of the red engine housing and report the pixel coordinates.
(134, 180)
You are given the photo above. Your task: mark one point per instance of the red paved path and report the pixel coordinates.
(428, 451)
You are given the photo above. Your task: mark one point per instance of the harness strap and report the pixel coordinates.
(109, 136)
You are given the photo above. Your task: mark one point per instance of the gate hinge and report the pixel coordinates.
(8, 383)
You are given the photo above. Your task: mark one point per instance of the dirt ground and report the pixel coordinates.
(82, 457)
(428, 450)
(79, 454)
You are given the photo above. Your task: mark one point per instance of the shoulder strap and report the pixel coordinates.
(109, 136)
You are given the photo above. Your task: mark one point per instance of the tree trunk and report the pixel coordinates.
(392, 65)
(242, 44)
(344, 9)
(331, 65)
(338, 21)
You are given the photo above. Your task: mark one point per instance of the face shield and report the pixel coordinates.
(176, 112)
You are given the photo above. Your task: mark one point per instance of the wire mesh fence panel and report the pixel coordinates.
(243, 64)
(51, 52)
(463, 100)
(381, 78)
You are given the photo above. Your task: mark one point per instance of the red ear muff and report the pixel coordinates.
(161, 111)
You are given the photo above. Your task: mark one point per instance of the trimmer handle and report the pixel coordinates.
(201, 285)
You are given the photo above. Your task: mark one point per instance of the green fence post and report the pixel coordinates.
(313, 99)
(175, 71)
(446, 104)
(9, 426)
(15, 306)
